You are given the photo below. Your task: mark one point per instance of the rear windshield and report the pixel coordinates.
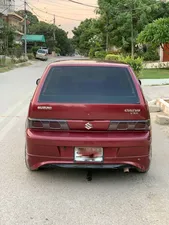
(41, 51)
(89, 84)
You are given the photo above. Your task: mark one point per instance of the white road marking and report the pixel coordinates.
(12, 123)
(12, 109)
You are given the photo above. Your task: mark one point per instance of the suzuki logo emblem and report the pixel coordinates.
(88, 126)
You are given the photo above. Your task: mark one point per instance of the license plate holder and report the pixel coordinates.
(88, 154)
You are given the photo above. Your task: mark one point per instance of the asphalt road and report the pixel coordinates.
(62, 196)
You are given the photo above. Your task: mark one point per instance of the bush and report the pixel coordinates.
(150, 53)
(112, 57)
(100, 54)
(135, 63)
(14, 59)
(34, 50)
(16, 51)
(23, 59)
(30, 56)
(2, 60)
(93, 50)
(57, 50)
(114, 52)
(151, 56)
(92, 53)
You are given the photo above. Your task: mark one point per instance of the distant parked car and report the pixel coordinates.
(45, 49)
(41, 54)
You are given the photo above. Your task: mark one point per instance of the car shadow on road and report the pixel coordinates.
(81, 175)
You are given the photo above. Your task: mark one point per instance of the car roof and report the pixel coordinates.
(86, 62)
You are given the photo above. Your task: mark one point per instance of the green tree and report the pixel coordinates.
(85, 35)
(63, 43)
(30, 16)
(161, 10)
(55, 37)
(7, 36)
(124, 20)
(71, 48)
(156, 33)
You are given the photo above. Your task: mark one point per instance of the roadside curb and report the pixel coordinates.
(163, 105)
(153, 107)
(27, 63)
(18, 65)
(160, 105)
(162, 119)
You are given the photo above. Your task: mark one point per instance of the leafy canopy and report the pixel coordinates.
(156, 33)
(86, 35)
(48, 30)
(30, 16)
(124, 19)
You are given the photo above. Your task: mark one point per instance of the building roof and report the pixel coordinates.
(34, 38)
(16, 15)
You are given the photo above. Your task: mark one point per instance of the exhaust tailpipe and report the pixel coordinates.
(126, 170)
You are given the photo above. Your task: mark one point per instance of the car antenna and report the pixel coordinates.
(89, 175)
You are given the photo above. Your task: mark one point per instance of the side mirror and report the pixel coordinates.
(37, 81)
(139, 81)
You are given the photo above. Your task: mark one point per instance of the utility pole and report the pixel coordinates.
(107, 32)
(25, 28)
(132, 30)
(107, 41)
(54, 21)
(132, 36)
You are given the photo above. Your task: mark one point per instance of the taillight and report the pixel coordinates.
(141, 125)
(47, 124)
(54, 125)
(37, 124)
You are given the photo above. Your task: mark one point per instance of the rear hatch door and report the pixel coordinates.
(89, 95)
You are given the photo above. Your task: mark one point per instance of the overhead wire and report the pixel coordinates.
(83, 4)
(19, 6)
(60, 9)
(60, 4)
(33, 11)
(62, 17)
(8, 7)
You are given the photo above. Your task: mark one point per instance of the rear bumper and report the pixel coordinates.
(88, 166)
(41, 57)
(120, 149)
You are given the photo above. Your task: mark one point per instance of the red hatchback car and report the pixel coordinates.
(88, 114)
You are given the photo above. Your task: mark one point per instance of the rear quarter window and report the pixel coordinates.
(90, 85)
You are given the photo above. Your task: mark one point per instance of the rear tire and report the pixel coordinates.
(27, 164)
(146, 171)
(143, 171)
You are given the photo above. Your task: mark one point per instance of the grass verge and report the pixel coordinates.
(154, 74)
(13, 66)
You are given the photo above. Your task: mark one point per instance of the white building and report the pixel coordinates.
(7, 6)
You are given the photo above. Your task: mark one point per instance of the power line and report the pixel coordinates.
(83, 4)
(62, 5)
(25, 27)
(36, 13)
(52, 14)
(61, 10)
(5, 9)
(8, 7)
(18, 8)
